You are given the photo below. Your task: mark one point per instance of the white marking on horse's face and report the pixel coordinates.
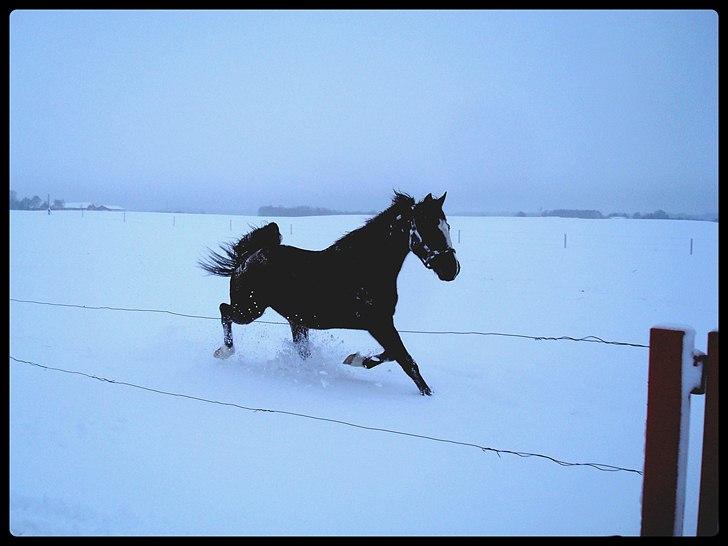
(445, 231)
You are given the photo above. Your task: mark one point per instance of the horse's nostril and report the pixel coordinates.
(446, 266)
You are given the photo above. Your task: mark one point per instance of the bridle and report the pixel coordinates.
(426, 254)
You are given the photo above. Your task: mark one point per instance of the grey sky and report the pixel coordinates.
(228, 111)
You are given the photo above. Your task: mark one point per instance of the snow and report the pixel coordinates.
(90, 457)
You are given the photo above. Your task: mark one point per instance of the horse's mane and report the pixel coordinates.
(379, 224)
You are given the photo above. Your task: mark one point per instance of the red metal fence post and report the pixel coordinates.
(672, 375)
(708, 508)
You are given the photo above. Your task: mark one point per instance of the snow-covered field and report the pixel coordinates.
(91, 457)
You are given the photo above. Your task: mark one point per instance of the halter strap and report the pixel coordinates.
(421, 250)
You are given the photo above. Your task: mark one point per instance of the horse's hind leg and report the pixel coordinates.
(239, 315)
(227, 348)
(300, 338)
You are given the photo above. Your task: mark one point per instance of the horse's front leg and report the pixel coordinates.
(388, 337)
(368, 362)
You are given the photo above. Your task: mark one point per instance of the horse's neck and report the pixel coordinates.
(390, 249)
(397, 250)
(385, 247)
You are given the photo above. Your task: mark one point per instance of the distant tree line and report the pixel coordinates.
(561, 213)
(33, 203)
(573, 213)
(270, 210)
(657, 215)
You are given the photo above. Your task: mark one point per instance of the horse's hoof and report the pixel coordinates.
(355, 360)
(426, 391)
(224, 352)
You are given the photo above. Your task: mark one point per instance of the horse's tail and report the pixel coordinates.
(235, 254)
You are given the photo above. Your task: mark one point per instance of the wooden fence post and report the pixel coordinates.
(708, 507)
(673, 374)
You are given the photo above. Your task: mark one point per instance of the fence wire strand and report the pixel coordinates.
(587, 339)
(598, 466)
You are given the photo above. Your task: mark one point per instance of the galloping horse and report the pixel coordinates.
(351, 284)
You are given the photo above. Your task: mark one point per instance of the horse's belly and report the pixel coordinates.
(317, 294)
(324, 307)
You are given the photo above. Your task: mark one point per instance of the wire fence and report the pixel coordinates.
(590, 339)
(586, 339)
(597, 466)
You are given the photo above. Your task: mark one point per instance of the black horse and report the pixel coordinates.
(351, 284)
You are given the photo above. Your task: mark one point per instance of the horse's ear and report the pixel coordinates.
(428, 197)
(441, 200)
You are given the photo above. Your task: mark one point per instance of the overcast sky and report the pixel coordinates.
(228, 111)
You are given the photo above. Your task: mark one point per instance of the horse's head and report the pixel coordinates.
(430, 238)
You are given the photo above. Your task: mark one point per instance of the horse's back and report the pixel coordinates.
(286, 263)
